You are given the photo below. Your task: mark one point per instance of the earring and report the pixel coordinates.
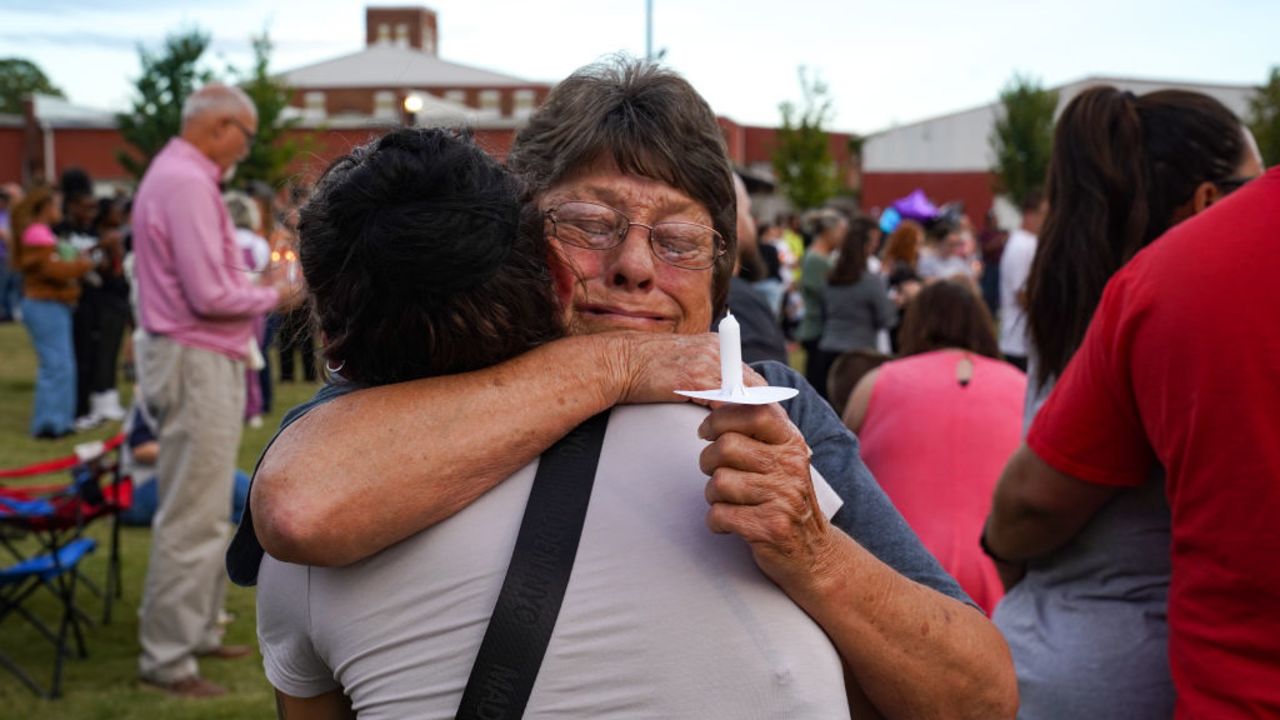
(334, 370)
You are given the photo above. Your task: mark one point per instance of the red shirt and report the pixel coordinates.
(1181, 366)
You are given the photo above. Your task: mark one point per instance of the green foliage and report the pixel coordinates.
(1022, 139)
(1264, 118)
(272, 152)
(168, 77)
(20, 77)
(802, 159)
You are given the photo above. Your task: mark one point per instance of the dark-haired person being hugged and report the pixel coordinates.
(1087, 620)
(418, 270)
(626, 171)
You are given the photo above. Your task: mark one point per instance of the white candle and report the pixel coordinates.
(730, 356)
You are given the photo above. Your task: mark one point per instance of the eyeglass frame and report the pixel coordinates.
(249, 136)
(620, 234)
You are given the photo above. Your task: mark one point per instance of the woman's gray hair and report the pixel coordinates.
(244, 211)
(647, 121)
(820, 221)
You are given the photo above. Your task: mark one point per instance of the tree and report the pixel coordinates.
(1264, 118)
(168, 77)
(19, 78)
(272, 152)
(802, 158)
(1023, 137)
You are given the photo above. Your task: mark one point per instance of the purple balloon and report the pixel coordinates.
(916, 206)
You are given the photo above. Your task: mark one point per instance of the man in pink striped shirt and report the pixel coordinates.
(195, 305)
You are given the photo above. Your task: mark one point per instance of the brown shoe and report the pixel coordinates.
(227, 652)
(189, 687)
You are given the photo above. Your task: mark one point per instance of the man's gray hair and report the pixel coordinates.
(216, 98)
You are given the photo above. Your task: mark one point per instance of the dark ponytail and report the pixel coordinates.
(1121, 166)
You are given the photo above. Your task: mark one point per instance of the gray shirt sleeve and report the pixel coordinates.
(289, 659)
(868, 516)
(886, 313)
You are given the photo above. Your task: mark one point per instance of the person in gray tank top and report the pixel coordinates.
(1087, 624)
(1086, 620)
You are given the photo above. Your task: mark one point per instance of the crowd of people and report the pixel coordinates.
(148, 281)
(1028, 472)
(67, 258)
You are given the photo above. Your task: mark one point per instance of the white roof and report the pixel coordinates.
(435, 112)
(59, 112)
(393, 66)
(959, 141)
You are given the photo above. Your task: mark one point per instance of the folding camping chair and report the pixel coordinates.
(97, 490)
(56, 570)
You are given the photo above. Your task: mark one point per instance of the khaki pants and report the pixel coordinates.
(197, 399)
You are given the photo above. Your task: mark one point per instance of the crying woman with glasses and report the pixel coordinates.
(734, 562)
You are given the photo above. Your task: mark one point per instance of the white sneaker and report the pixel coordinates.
(88, 422)
(255, 422)
(106, 405)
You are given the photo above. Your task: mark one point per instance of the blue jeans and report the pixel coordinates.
(49, 324)
(146, 499)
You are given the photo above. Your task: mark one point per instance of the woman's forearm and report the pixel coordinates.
(371, 468)
(1037, 509)
(915, 652)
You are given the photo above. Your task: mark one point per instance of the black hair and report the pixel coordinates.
(74, 184)
(948, 314)
(1120, 168)
(420, 262)
(105, 207)
(852, 263)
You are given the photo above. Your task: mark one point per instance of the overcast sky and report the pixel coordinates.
(886, 62)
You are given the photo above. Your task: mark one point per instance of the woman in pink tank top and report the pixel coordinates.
(938, 425)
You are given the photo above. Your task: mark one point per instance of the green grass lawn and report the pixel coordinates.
(105, 684)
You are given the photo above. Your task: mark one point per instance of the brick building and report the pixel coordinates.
(401, 58)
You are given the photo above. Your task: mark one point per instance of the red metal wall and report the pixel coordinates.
(90, 149)
(880, 189)
(10, 154)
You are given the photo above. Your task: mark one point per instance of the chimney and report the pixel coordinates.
(407, 27)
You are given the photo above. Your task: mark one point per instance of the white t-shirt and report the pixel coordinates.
(258, 247)
(1015, 266)
(661, 618)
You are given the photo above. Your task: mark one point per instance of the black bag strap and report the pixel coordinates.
(520, 628)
